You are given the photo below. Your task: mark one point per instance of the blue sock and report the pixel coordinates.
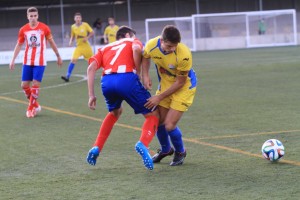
(163, 139)
(70, 69)
(176, 138)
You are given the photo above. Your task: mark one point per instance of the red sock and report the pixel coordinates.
(27, 92)
(34, 96)
(149, 129)
(105, 129)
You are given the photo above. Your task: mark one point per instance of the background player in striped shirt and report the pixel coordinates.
(173, 61)
(81, 32)
(121, 62)
(35, 34)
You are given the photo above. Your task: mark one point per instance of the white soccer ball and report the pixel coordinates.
(272, 150)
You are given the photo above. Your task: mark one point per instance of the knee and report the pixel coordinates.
(160, 121)
(155, 114)
(74, 61)
(170, 126)
(117, 112)
(24, 85)
(36, 83)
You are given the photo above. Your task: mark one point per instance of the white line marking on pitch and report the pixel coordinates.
(84, 78)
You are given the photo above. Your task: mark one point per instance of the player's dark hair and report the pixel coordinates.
(171, 34)
(32, 9)
(123, 30)
(78, 14)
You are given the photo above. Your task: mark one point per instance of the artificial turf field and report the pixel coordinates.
(244, 97)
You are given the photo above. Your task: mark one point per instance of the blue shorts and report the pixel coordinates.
(30, 73)
(124, 86)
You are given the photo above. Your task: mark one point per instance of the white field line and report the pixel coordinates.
(84, 78)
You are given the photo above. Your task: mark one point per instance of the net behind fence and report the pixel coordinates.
(231, 30)
(154, 28)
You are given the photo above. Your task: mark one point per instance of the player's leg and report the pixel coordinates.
(71, 66)
(75, 56)
(35, 92)
(113, 103)
(136, 96)
(38, 73)
(171, 120)
(105, 129)
(175, 134)
(163, 137)
(27, 77)
(87, 53)
(26, 88)
(27, 91)
(180, 103)
(149, 127)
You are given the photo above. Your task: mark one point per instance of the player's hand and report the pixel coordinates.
(59, 62)
(85, 39)
(152, 102)
(92, 103)
(12, 66)
(147, 82)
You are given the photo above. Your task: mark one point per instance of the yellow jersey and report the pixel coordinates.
(79, 32)
(168, 65)
(111, 33)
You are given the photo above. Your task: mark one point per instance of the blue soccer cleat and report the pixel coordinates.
(143, 151)
(93, 155)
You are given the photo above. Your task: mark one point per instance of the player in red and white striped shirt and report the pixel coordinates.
(35, 34)
(120, 82)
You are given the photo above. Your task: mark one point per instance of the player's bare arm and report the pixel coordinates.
(71, 40)
(181, 77)
(54, 48)
(91, 72)
(105, 37)
(137, 57)
(16, 53)
(147, 82)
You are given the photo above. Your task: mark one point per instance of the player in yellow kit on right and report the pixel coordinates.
(177, 87)
(81, 32)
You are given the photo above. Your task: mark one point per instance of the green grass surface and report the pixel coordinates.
(244, 97)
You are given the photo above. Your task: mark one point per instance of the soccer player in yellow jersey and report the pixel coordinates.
(81, 32)
(173, 61)
(110, 31)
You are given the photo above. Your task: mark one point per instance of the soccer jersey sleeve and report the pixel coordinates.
(138, 42)
(72, 31)
(146, 51)
(88, 27)
(150, 46)
(184, 58)
(21, 38)
(48, 33)
(98, 58)
(106, 31)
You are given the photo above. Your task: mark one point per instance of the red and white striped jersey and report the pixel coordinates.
(35, 39)
(117, 57)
